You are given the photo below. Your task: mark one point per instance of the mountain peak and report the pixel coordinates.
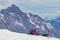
(16, 9)
(14, 6)
(13, 9)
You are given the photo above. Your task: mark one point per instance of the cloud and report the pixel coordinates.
(47, 3)
(49, 15)
(2, 7)
(32, 3)
(35, 6)
(6, 3)
(58, 12)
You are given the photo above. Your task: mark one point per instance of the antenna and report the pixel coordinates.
(49, 30)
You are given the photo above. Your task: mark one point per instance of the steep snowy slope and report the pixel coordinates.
(8, 35)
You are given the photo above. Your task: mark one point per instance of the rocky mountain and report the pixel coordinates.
(13, 19)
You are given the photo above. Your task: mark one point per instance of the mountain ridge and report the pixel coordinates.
(13, 19)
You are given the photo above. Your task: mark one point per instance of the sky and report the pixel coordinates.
(43, 8)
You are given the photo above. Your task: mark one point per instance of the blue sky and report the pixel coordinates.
(43, 8)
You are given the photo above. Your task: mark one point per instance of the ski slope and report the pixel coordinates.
(8, 35)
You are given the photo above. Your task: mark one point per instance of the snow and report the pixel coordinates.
(49, 26)
(53, 35)
(8, 35)
(31, 21)
(19, 23)
(28, 15)
(11, 13)
(43, 28)
(1, 16)
(37, 26)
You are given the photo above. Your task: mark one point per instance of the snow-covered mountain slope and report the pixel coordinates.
(13, 19)
(8, 35)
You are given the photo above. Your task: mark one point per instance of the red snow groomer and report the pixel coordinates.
(34, 31)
